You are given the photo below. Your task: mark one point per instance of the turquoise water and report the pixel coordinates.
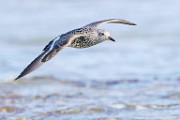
(137, 77)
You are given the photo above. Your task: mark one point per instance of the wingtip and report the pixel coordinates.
(128, 22)
(132, 23)
(16, 78)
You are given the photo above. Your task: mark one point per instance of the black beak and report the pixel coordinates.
(110, 38)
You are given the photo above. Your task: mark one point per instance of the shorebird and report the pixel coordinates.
(83, 37)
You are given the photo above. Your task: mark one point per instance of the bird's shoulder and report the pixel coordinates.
(54, 43)
(64, 38)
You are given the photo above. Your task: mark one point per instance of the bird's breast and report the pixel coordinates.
(83, 42)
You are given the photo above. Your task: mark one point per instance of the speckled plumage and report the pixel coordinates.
(83, 37)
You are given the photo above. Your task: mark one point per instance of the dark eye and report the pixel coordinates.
(102, 33)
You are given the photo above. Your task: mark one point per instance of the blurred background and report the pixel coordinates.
(136, 77)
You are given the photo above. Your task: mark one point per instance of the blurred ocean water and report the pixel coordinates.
(149, 48)
(137, 77)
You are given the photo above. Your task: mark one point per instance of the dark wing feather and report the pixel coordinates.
(49, 51)
(66, 39)
(32, 66)
(119, 21)
(51, 54)
(36, 63)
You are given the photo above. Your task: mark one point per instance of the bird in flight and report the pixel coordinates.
(83, 37)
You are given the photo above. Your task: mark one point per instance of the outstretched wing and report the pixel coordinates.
(49, 51)
(32, 66)
(37, 62)
(118, 21)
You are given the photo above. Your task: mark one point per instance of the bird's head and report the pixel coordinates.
(104, 35)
